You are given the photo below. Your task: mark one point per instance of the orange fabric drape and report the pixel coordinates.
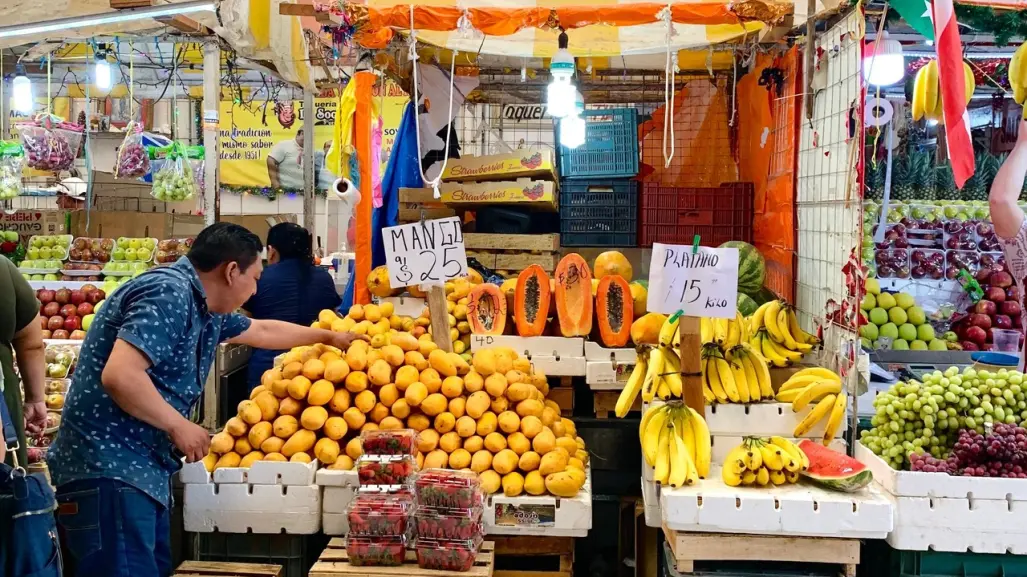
(363, 118)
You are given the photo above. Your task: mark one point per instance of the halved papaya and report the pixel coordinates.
(486, 310)
(574, 296)
(614, 310)
(531, 301)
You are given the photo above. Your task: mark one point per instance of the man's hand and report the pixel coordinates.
(342, 341)
(35, 417)
(191, 439)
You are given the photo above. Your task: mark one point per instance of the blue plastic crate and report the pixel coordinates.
(601, 212)
(610, 149)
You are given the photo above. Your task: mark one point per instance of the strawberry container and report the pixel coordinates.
(446, 555)
(449, 489)
(392, 470)
(434, 523)
(379, 514)
(394, 442)
(376, 551)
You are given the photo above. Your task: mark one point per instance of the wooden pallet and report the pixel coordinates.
(334, 562)
(417, 202)
(691, 548)
(563, 396)
(514, 252)
(218, 569)
(513, 550)
(605, 402)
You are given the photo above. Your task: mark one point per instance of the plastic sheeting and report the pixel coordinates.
(256, 30)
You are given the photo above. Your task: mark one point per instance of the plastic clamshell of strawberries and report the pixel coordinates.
(377, 471)
(392, 442)
(379, 514)
(435, 523)
(447, 555)
(447, 489)
(379, 551)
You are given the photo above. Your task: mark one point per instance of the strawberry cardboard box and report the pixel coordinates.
(448, 489)
(433, 523)
(446, 555)
(376, 551)
(379, 514)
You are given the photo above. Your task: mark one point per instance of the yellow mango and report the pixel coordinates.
(534, 483)
(302, 440)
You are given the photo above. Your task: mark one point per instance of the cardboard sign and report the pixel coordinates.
(29, 223)
(703, 283)
(425, 253)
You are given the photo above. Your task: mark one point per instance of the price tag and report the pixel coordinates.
(510, 515)
(703, 283)
(425, 253)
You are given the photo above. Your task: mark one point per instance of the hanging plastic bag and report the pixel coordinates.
(133, 158)
(175, 179)
(12, 159)
(50, 143)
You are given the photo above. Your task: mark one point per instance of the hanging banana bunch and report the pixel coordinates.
(657, 372)
(927, 90)
(676, 443)
(821, 385)
(776, 334)
(1018, 75)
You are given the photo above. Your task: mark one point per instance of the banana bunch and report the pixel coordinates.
(657, 371)
(762, 461)
(725, 333)
(821, 385)
(740, 376)
(927, 90)
(1018, 75)
(776, 334)
(676, 443)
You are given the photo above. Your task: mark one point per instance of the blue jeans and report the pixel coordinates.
(111, 529)
(28, 533)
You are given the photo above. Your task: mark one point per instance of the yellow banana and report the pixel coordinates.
(652, 374)
(755, 457)
(772, 457)
(814, 416)
(791, 463)
(738, 374)
(969, 82)
(713, 379)
(919, 94)
(731, 474)
(703, 443)
(834, 422)
(769, 352)
(661, 473)
(727, 380)
(800, 382)
(651, 437)
(677, 340)
(791, 355)
(1019, 93)
(931, 80)
(672, 372)
(1017, 70)
(756, 320)
(777, 477)
(792, 476)
(706, 330)
(678, 455)
(755, 392)
(631, 388)
(814, 392)
(788, 396)
(663, 391)
(734, 334)
(817, 371)
(759, 365)
(796, 330)
(792, 449)
(720, 331)
(684, 427)
(790, 341)
(737, 458)
(748, 477)
(646, 416)
(668, 329)
(770, 319)
(762, 477)
(743, 328)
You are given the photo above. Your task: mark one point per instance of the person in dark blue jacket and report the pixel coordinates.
(292, 289)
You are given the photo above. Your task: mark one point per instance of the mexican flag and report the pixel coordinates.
(953, 91)
(916, 13)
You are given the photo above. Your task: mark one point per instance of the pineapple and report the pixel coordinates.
(923, 174)
(902, 178)
(874, 176)
(945, 184)
(976, 187)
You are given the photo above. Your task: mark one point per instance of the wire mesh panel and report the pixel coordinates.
(828, 205)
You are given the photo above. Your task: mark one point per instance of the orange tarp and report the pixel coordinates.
(362, 141)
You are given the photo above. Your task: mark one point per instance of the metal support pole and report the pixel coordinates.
(309, 176)
(211, 107)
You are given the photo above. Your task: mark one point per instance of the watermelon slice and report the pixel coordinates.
(833, 470)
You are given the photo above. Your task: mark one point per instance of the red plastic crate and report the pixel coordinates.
(674, 215)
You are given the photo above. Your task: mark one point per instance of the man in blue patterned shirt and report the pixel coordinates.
(141, 371)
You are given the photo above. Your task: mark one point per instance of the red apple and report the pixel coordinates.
(85, 309)
(979, 320)
(1012, 294)
(77, 335)
(56, 322)
(45, 296)
(61, 334)
(69, 310)
(63, 296)
(1011, 308)
(977, 334)
(77, 297)
(73, 323)
(52, 308)
(43, 320)
(995, 293)
(47, 334)
(985, 307)
(87, 288)
(95, 296)
(1002, 322)
(969, 346)
(1001, 279)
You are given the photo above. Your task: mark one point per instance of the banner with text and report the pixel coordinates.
(699, 281)
(264, 147)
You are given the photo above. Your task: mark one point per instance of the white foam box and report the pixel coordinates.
(544, 516)
(406, 306)
(243, 508)
(260, 473)
(651, 500)
(608, 369)
(763, 419)
(789, 510)
(553, 356)
(339, 489)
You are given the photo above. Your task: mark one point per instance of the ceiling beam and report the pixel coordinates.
(180, 22)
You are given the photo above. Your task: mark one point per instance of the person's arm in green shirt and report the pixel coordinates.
(29, 350)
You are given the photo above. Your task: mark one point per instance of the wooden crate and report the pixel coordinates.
(219, 569)
(417, 202)
(605, 402)
(334, 562)
(555, 551)
(563, 396)
(513, 253)
(691, 548)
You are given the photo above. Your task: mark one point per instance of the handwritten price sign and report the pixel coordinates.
(702, 284)
(425, 253)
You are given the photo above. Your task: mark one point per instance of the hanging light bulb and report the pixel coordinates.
(103, 69)
(883, 64)
(572, 126)
(560, 92)
(21, 88)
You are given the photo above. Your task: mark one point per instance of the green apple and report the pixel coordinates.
(890, 330)
(917, 316)
(907, 332)
(869, 331)
(886, 301)
(87, 321)
(897, 315)
(925, 332)
(918, 345)
(904, 300)
(900, 345)
(937, 345)
(878, 316)
(869, 302)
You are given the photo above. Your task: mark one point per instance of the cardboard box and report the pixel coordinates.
(538, 195)
(30, 223)
(161, 225)
(519, 164)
